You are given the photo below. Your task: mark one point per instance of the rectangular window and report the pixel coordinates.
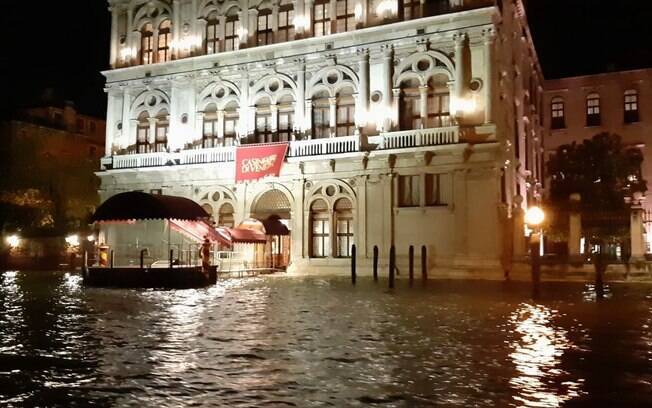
(344, 236)
(285, 123)
(230, 127)
(264, 128)
(408, 191)
(209, 137)
(631, 106)
(438, 189)
(285, 24)
(212, 37)
(320, 122)
(142, 136)
(161, 141)
(231, 39)
(345, 120)
(156, 191)
(558, 120)
(345, 10)
(593, 110)
(411, 9)
(320, 236)
(438, 110)
(147, 48)
(264, 34)
(410, 115)
(322, 20)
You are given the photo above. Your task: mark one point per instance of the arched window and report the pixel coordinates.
(164, 41)
(264, 121)
(210, 131)
(320, 115)
(162, 127)
(319, 229)
(345, 10)
(322, 19)
(285, 30)
(631, 106)
(410, 113)
(264, 33)
(226, 216)
(147, 44)
(231, 116)
(209, 210)
(142, 133)
(411, 9)
(345, 113)
(344, 230)
(438, 102)
(557, 113)
(593, 110)
(285, 118)
(212, 43)
(231, 31)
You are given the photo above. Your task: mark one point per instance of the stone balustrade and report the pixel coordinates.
(299, 148)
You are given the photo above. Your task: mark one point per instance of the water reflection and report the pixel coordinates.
(537, 355)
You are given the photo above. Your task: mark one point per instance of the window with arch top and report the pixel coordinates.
(164, 36)
(147, 44)
(319, 229)
(264, 33)
(212, 42)
(322, 18)
(231, 31)
(285, 30)
(344, 228)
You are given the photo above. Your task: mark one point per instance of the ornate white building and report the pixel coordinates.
(410, 122)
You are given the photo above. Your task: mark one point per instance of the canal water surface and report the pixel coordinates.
(319, 342)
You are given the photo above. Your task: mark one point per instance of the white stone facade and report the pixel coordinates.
(418, 124)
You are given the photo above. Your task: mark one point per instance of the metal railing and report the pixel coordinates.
(316, 147)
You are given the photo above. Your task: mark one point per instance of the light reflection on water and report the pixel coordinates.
(537, 356)
(313, 342)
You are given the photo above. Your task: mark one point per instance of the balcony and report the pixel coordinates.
(317, 148)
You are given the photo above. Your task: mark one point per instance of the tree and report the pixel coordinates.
(602, 170)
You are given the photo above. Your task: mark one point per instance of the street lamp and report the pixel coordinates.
(534, 217)
(13, 241)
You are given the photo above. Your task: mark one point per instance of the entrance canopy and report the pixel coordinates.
(135, 205)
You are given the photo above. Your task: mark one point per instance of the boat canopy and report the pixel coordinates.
(136, 205)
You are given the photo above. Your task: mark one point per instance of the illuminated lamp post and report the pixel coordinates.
(534, 217)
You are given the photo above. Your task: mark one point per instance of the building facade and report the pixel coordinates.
(578, 108)
(408, 122)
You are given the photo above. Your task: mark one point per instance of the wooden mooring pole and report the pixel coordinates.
(536, 264)
(392, 265)
(424, 263)
(171, 258)
(112, 259)
(411, 264)
(353, 273)
(375, 267)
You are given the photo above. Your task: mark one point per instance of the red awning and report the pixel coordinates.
(249, 236)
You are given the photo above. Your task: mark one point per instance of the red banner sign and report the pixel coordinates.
(254, 162)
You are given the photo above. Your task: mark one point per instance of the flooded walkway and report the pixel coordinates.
(314, 342)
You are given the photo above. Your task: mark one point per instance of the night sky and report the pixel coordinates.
(62, 45)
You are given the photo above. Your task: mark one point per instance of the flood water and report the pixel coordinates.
(318, 342)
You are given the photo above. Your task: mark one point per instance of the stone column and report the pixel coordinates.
(152, 131)
(307, 18)
(114, 36)
(307, 120)
(332, 103)
(220, 126)
(250, 32)
(423, 105)
(199, 127)
(362, 116)
(176, 30)
(388, 71)
(132, 132)
(460, 85)
(574, 229)
(489, 38)
(636, 231)
(274, 117)
(133, 49)
(300, 104)
(127, 129)
(274, 21)
(396, 92)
